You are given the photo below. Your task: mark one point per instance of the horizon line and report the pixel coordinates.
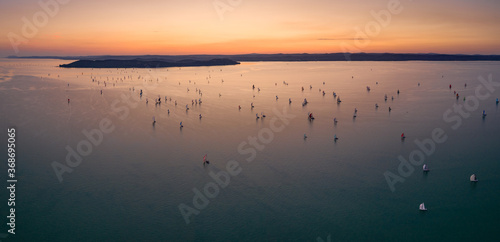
(303, 53)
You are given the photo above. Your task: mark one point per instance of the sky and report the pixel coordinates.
(176, 27)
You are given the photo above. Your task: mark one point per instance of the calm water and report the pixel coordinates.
(129, 186)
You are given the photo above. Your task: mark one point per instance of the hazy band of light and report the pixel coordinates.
(293, 26)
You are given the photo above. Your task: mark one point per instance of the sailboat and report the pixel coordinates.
(422, 207)
(425, 168)
(473, 178)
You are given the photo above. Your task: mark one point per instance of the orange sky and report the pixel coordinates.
(292, 26)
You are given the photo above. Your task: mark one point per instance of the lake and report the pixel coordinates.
(95, 168)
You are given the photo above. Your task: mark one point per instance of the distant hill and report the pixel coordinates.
(150, 59)
(141, 63)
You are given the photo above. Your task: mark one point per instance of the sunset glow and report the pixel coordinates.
(240, 27)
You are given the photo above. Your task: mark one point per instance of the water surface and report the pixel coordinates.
(130, 185)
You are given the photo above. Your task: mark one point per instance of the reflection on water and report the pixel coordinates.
(130, 185)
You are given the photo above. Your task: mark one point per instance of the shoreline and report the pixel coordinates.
(183, 60)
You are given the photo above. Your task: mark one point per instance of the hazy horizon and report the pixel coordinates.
(209, 54)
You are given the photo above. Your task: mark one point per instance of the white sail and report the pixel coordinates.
(422, 207)
(473, 178)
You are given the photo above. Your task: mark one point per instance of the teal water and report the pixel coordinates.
(129, 187)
